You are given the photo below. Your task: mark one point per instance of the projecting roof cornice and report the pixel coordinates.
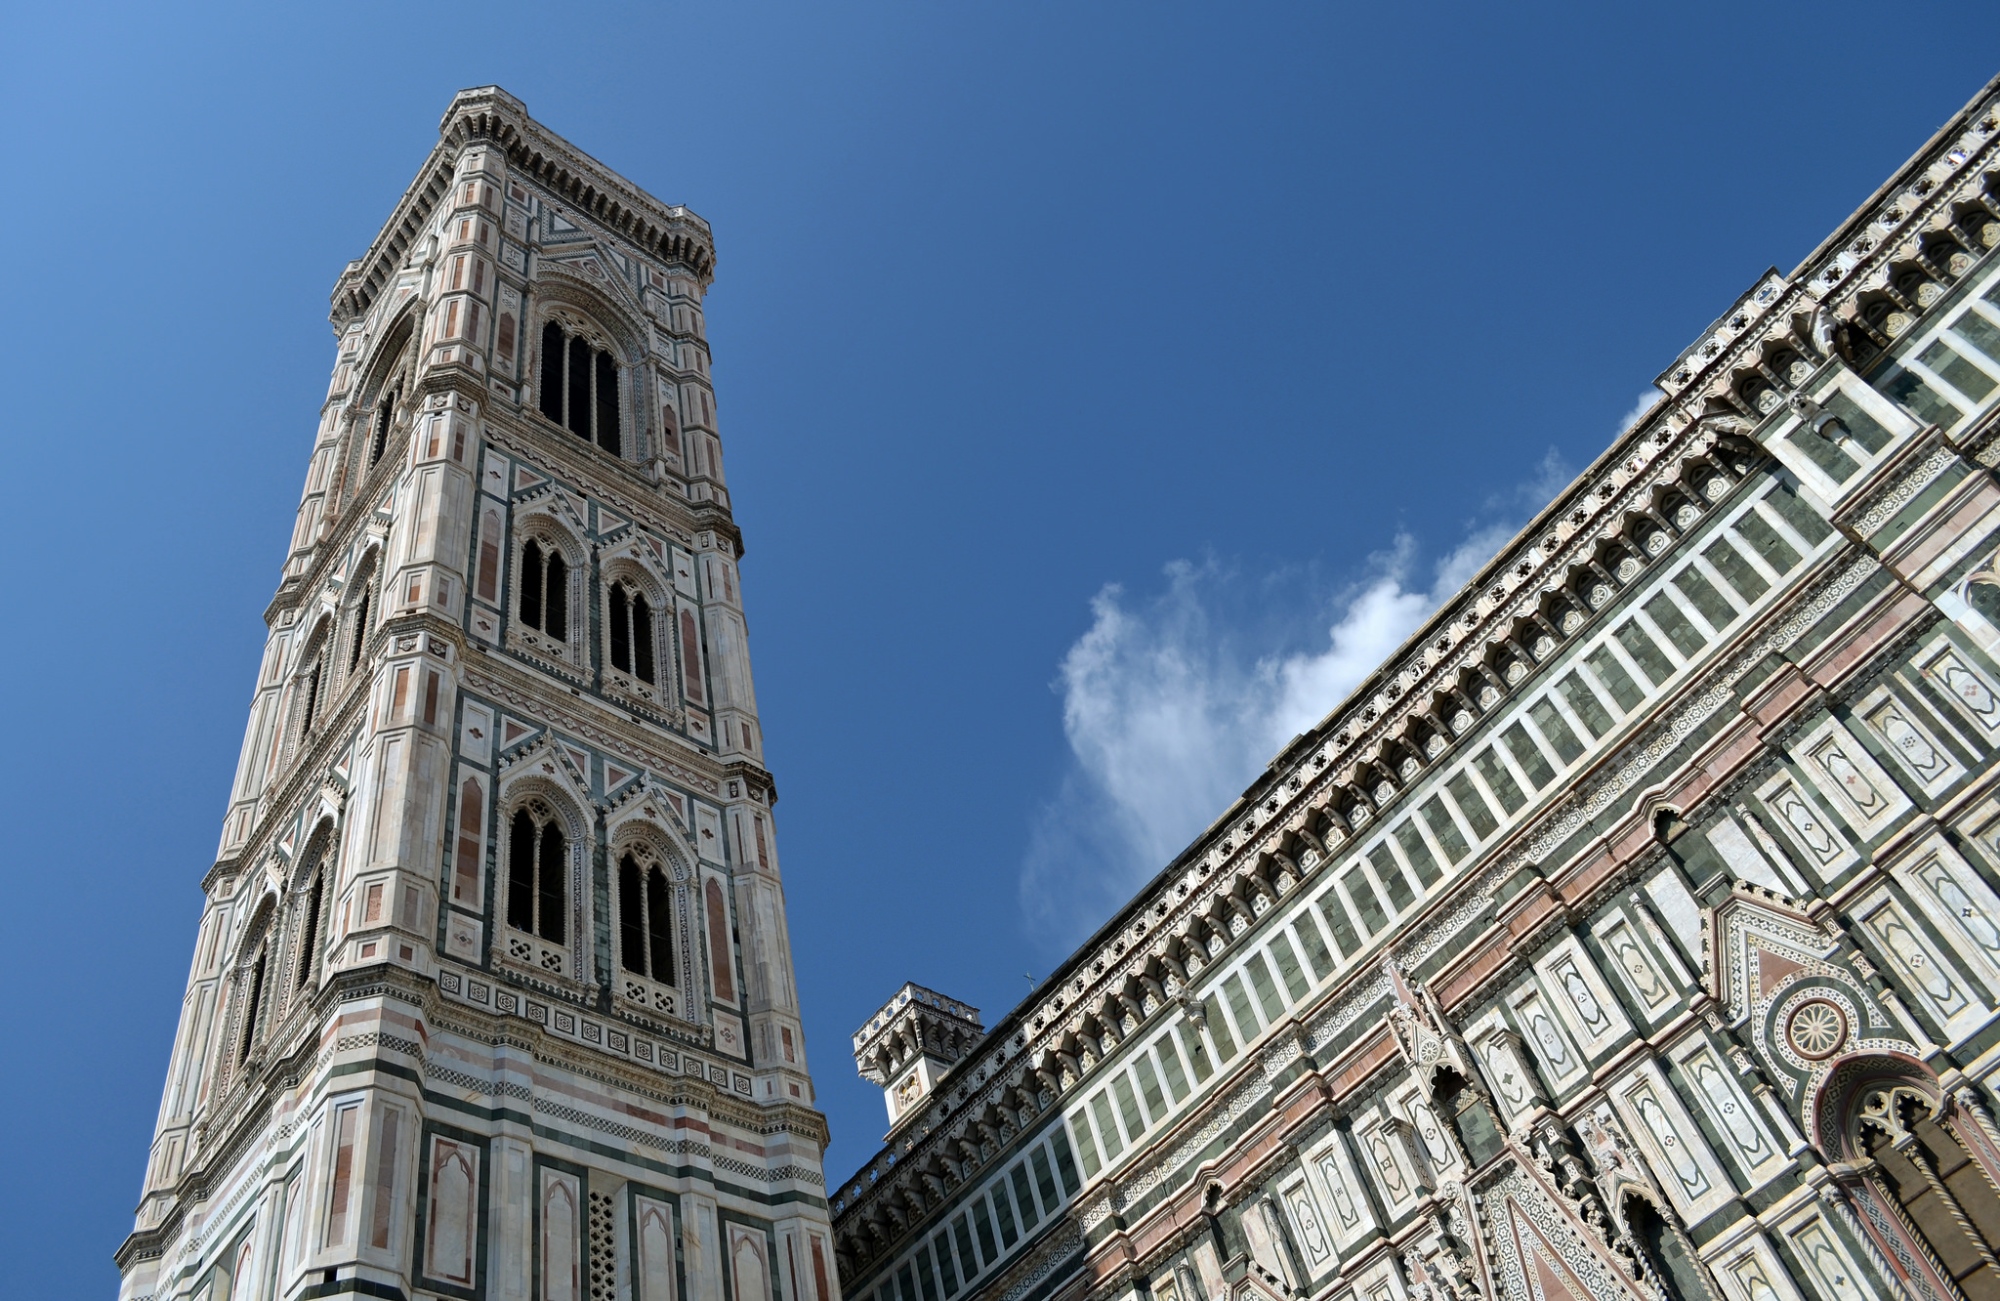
(1859, 290)
(488, 114)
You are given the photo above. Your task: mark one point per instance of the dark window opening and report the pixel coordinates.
(549, 892)
(642, 637)
(531, 584)
(252, 1007)
(631, 924)
(545, 590)
(360, 632)
(311, 699)
(631, 632)
(645, 933)
(385, 410)
(1943, 1193)
(309, 941)
(579, 388)
(577, 417)
(551, 396)
(621, 632)
(659, 930)
(537, 887)
(607, 404)
(1666, 1256)
(555, 605)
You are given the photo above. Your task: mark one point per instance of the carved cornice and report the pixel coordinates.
(585, 187)
(1696, 432)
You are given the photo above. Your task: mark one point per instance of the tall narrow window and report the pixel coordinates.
(555, 604)
(550, 891)
(621, 630)
(607, 404)
(659, 929)
(358, 637)
(552, 372)
(642, 638)
(645, 934)
(311, 699)
(579, 388)
(577, 418)
(531, 584)
(521, 872)
(252, 1007)
(537, 876)
(309, 939)
(545, 590)
(631, 916)
(385, 410)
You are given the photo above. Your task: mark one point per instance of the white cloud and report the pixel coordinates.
(1645, 402)
(1172, 703)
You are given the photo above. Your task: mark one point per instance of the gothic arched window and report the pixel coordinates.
(537, 876)
(314, 683)
(385, 411)
(357, 635)
(645, 934)
(309, 937)
(579, 388)
(631, 629)
(254, 967)
(1942, 1190)
(544, 590)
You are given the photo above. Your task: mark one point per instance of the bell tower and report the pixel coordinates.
(492, 994)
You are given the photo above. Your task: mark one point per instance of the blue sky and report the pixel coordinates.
(1102, 386)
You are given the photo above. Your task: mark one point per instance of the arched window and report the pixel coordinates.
(537, 876)
(254, 1007)
(719, 964)
(1943, 1192)
(309, 937)
(385, 410)
(1664, 1254)
(631, 621)
(645, 937)
(311, 703)
(255, 944)
(544, 590)
(579, 388)
(357, 635)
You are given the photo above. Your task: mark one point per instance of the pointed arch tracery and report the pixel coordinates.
(543, 844)
(550, 568)
(654, 917)
(583, 368)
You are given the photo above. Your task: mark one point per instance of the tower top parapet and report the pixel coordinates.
(577, 182)
(912, 1042)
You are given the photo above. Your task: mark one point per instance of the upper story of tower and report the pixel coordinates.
(522, 370)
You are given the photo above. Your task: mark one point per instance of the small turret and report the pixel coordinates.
(912, 1043)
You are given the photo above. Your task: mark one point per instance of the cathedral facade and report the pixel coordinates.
(492, 994)
(1633, 932)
